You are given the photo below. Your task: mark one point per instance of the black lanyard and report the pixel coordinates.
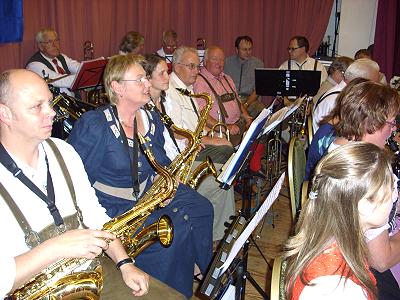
(49, 199)
(135, 153)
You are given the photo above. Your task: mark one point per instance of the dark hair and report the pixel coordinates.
(131, 41)
(363, 52)
(150, 62)
(340, 64)
(301, 41)
(241, 38)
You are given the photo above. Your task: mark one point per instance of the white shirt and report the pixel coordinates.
(307, 64)
(180, 108)
(326, 106)
(63, 83)
(35, 210)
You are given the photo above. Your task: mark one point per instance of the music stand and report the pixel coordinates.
(273, 82)
(90, 74)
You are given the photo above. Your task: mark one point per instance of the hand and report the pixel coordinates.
(233, 129)
(82, 243)
(136, 279)
(248, 121)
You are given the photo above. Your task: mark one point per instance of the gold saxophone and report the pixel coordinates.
(59, 281)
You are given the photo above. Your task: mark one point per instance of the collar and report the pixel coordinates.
(50, 60)
(330, 79)
(303, 62)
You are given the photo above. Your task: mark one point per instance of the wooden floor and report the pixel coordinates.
(270, 241)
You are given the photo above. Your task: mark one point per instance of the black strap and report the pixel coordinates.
(194, 107)
(240, 78)
(289, 64)
(49, 199)
(323, 97)
(135, 153)
(315, 64)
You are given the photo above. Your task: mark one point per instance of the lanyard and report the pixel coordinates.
(49, 199)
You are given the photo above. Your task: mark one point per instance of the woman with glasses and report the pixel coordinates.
(121, 173)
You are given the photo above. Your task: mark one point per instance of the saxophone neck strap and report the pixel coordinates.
(49, 199)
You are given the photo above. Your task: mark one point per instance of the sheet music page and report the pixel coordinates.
(253, 223)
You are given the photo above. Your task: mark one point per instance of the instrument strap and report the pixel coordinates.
(218, 97)
(49, 199)
(323, 97)
(135, 153)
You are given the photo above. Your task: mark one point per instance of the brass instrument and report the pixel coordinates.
(59, 279)
(219, 126)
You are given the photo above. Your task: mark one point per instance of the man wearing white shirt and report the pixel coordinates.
(50, 62)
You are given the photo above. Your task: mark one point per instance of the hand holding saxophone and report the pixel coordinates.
(83, 243)
(136, 279)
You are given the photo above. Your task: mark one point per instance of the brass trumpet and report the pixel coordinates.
(221, 128)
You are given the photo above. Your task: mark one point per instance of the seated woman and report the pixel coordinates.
(367, 113)
(121, 174)
(352, 192)
(222, 200)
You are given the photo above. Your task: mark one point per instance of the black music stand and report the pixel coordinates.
(273, 82)
(90, 74)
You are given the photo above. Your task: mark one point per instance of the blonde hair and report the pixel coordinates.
(115, 71)
(342, 178)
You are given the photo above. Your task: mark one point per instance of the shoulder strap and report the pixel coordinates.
(67, 177)
(323, 97)
(64, 63)
(315, 64)
(233, 91)
(289, 64)
(220, 104)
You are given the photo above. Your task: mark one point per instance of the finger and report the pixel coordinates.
(104, 235)
(135, 286)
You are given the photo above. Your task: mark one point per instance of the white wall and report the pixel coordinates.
(357, 25)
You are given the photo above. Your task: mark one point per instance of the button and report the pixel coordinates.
(174, 209)
(186, 217)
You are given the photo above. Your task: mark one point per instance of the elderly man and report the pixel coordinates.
(45, 205)
(299, 59)
(335, 75)
(50, 62)
(241, 67)
(169, 44)
(185, 113)
(227, 107)
(361, 68)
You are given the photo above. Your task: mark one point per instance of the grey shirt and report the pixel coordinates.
(242, 72)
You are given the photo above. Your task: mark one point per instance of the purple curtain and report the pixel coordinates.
(387, 37)
(270, 23)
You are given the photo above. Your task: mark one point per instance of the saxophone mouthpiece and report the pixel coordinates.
(183, 91)
(143, 142)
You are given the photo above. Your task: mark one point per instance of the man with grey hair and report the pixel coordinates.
(335, 75)
(361, 68)
(185, 113)
(169, 44)
(50, 62)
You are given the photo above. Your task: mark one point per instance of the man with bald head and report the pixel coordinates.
(45, 205)
(50, 62)
(360, 68)
(226, 107)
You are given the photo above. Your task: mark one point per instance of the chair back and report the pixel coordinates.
(278, 279)
(296, 172)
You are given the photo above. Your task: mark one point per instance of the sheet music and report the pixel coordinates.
(253, 223)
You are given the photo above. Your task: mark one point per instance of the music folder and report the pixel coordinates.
(273, 82)
(90, 74)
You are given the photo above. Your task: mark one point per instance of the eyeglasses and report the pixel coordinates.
(140, 80)
(294, 48)
(191, 66)
(392, 123)
(50, 42)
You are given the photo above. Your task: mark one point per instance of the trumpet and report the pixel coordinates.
(221, 128)
(88, 50)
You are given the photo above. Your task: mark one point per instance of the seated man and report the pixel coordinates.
(50, 62)
(45, 205)
(241, 67)
(124, 178)
(364, 68)
(169, 44)
(335, 75)
(132, 42)
(226, 107)
(185, 113)
(299, 59)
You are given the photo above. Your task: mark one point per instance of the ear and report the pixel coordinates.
(366, 207)
(5, 114)
(117, 88)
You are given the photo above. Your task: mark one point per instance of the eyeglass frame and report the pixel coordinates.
(294, 48)
(57, 40)
(191, 66)
(392, 124)
(141, 80)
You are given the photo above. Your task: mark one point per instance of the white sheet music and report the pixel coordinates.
(252, 224)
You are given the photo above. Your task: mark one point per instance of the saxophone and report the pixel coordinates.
(59, 281)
